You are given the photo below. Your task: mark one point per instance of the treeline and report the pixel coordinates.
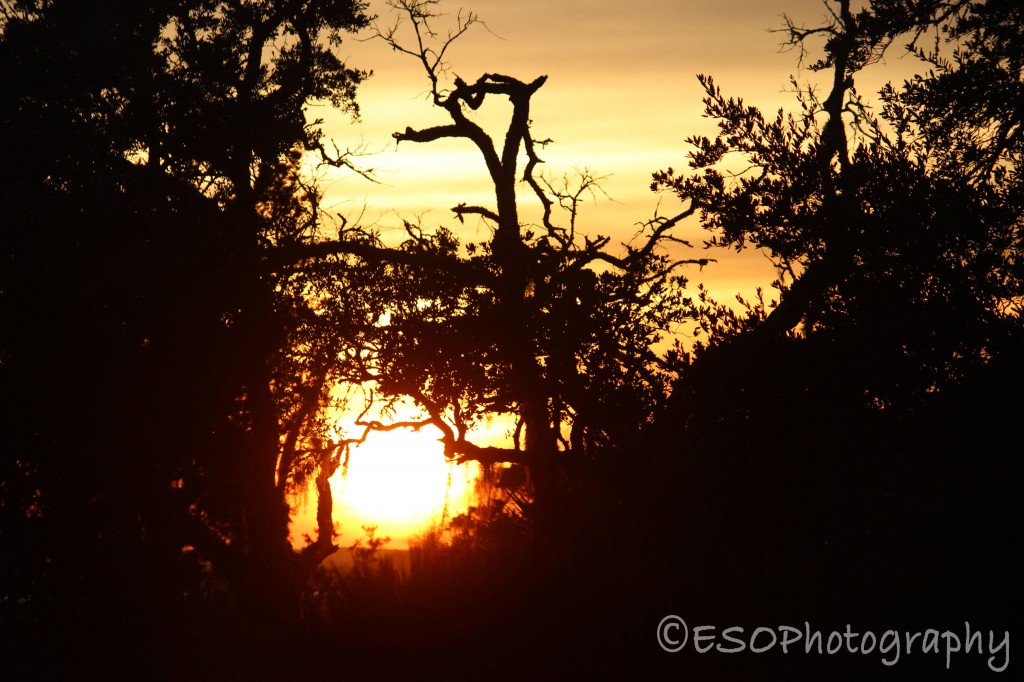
(178, 311)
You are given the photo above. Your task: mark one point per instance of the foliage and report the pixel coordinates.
(151, 154)
(820, 450)
(542, 322)
(179, 314)
(899, 232)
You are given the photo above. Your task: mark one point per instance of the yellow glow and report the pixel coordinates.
(400, 482)
(621, 99)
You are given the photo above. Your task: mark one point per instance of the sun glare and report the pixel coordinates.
(400, 482)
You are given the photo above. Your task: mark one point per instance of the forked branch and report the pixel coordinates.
(430, 49)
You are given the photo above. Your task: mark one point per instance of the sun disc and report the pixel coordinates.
(400, 482)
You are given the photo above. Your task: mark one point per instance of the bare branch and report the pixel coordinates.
(431, 134)
(569, 196)
(531, 163)
(463, 210)
(468, 452)
(299, 253)
(343, 159)
(430, 49)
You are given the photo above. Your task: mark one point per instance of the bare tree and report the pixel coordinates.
(544, 322)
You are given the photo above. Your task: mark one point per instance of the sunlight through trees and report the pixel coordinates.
(214, 381)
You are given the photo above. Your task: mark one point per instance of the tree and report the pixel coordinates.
(898, 232)
(542, 322)
(151, 175)
(823, 433)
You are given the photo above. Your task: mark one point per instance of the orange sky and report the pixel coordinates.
(620, 99)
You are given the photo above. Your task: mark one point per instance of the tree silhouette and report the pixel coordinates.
(179, 316)
(542, 322)
(819, 436)
(898, 232)
(150, 165)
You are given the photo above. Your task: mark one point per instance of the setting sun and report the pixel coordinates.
(400, 482)
(448, 339)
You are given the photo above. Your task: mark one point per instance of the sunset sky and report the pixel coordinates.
(620, 99)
